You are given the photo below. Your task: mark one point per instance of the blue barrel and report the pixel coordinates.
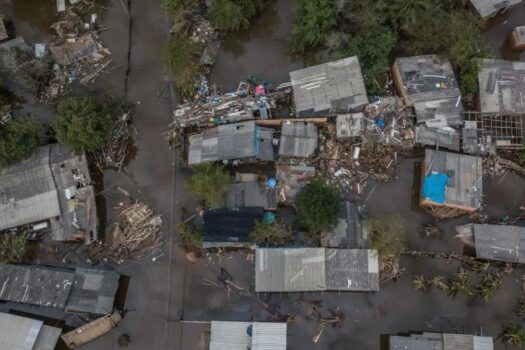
(268, 217)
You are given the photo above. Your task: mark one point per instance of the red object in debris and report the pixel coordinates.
(259, 90)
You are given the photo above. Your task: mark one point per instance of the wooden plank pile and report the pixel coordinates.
(114, 154)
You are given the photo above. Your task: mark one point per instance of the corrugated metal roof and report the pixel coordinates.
(499, 242)
(93, 291)
(349, 125)
(440, 341)
(47, 338)
(315, 269)
(226, 335)
(18, 333)
(444, 138)
(298, 139)
(465, 187)
(251, 194)
(331, 87)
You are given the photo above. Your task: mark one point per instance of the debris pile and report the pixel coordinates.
(115, 152)
(495, 166)
(202, 31)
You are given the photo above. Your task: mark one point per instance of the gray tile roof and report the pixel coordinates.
(230, 142)
(228, 335)
(440, 341)
(93, 291)
(487, 8)
(298, 139)
(333, 87)
(502, 86)
(315, 269)
(35, 285)
(465, 186)
(251, 194)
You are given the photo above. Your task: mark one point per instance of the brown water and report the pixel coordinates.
(499, 29)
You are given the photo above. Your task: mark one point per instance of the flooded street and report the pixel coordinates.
(163, 293)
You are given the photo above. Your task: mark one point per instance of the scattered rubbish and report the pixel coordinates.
(114, 154)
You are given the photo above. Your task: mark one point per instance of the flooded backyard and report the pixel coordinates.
(160, 295)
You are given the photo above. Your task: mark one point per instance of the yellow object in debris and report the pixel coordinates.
(212, 120)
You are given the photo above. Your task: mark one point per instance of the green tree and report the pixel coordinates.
(190, 239)
(387, 233)
(12, 248)
(176, 7)
(275, 233)
(232, 15)
(512, 334)
(83, 124)
(364, 14)
(209, 183)
(406, 12)
(18, 139)
(181, 60)
(315, 19)
(374, 59)
(317, 207)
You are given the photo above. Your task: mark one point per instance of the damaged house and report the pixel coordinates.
(298, 140)
(495, 242)
(490, 8)
(428, 84)
(329, 88)
(316, 269)
(49, 192)
(239, 143)
(434, 341)
(228, 335)
(451, 180)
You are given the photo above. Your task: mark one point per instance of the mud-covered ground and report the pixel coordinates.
(164, 295)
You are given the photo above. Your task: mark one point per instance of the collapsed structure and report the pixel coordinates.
(51, 192)
(228, 335)
(22, 333)
(85, 291)
(443, 341)
(451, 180)
(329, 88)
(495, 242)
(316, 269)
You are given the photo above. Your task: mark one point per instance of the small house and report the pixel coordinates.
(316, 269)
(22, 333)
(229, 227)
(228, 335)
(239, 142)
(502, 87)
(329, 88)
(490, 8)
(517, 38)
(445, 341)
(495, 242)
(298, 140)
(451, 180)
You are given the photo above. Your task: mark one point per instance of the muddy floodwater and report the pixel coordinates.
(164, 293)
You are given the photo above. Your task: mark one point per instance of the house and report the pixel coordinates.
(316, 269)
(329, 88)
(229, 227)
(22, 333)
(291, 179)
(490, 8)
(75, 291)
(251, 194)
(84, 47)
(445, 341)
(298, 140)
(451, 180)
(227, 335)
(350, 125)
(348, 233)
(495, 242)
(50, 191)
(517, 38)
(239, 142)
(502, 86)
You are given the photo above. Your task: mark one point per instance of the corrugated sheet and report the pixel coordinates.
(329, 87)
(93, 291)
(251, 194)
(18, 333)
(349, 125)
(35, 285)
(448, 139)
(465, 187)
(298, 140)
(440, 341)
(236, 336)
(350, 270)
(500, 242)
(47, 338)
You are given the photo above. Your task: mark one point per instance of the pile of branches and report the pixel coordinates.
(114, 154)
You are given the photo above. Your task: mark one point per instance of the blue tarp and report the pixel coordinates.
(434, 186)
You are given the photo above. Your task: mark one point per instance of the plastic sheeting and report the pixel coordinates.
(434, 186)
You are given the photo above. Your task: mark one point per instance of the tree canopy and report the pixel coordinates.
(18, 139)
(317, 207)
(175, 7)
(83, 124)
(232, 15)
(274, 233)
(209, 183)
(387, 233)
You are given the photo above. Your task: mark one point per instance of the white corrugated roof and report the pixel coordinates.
(226, 335)
(18, 333)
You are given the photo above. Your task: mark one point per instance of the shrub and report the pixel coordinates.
(12, 248)
(275, 233)
(387, 234)
(191, 239)
(232, 15)
(175, 7)
(18, 139)
(209, 183)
